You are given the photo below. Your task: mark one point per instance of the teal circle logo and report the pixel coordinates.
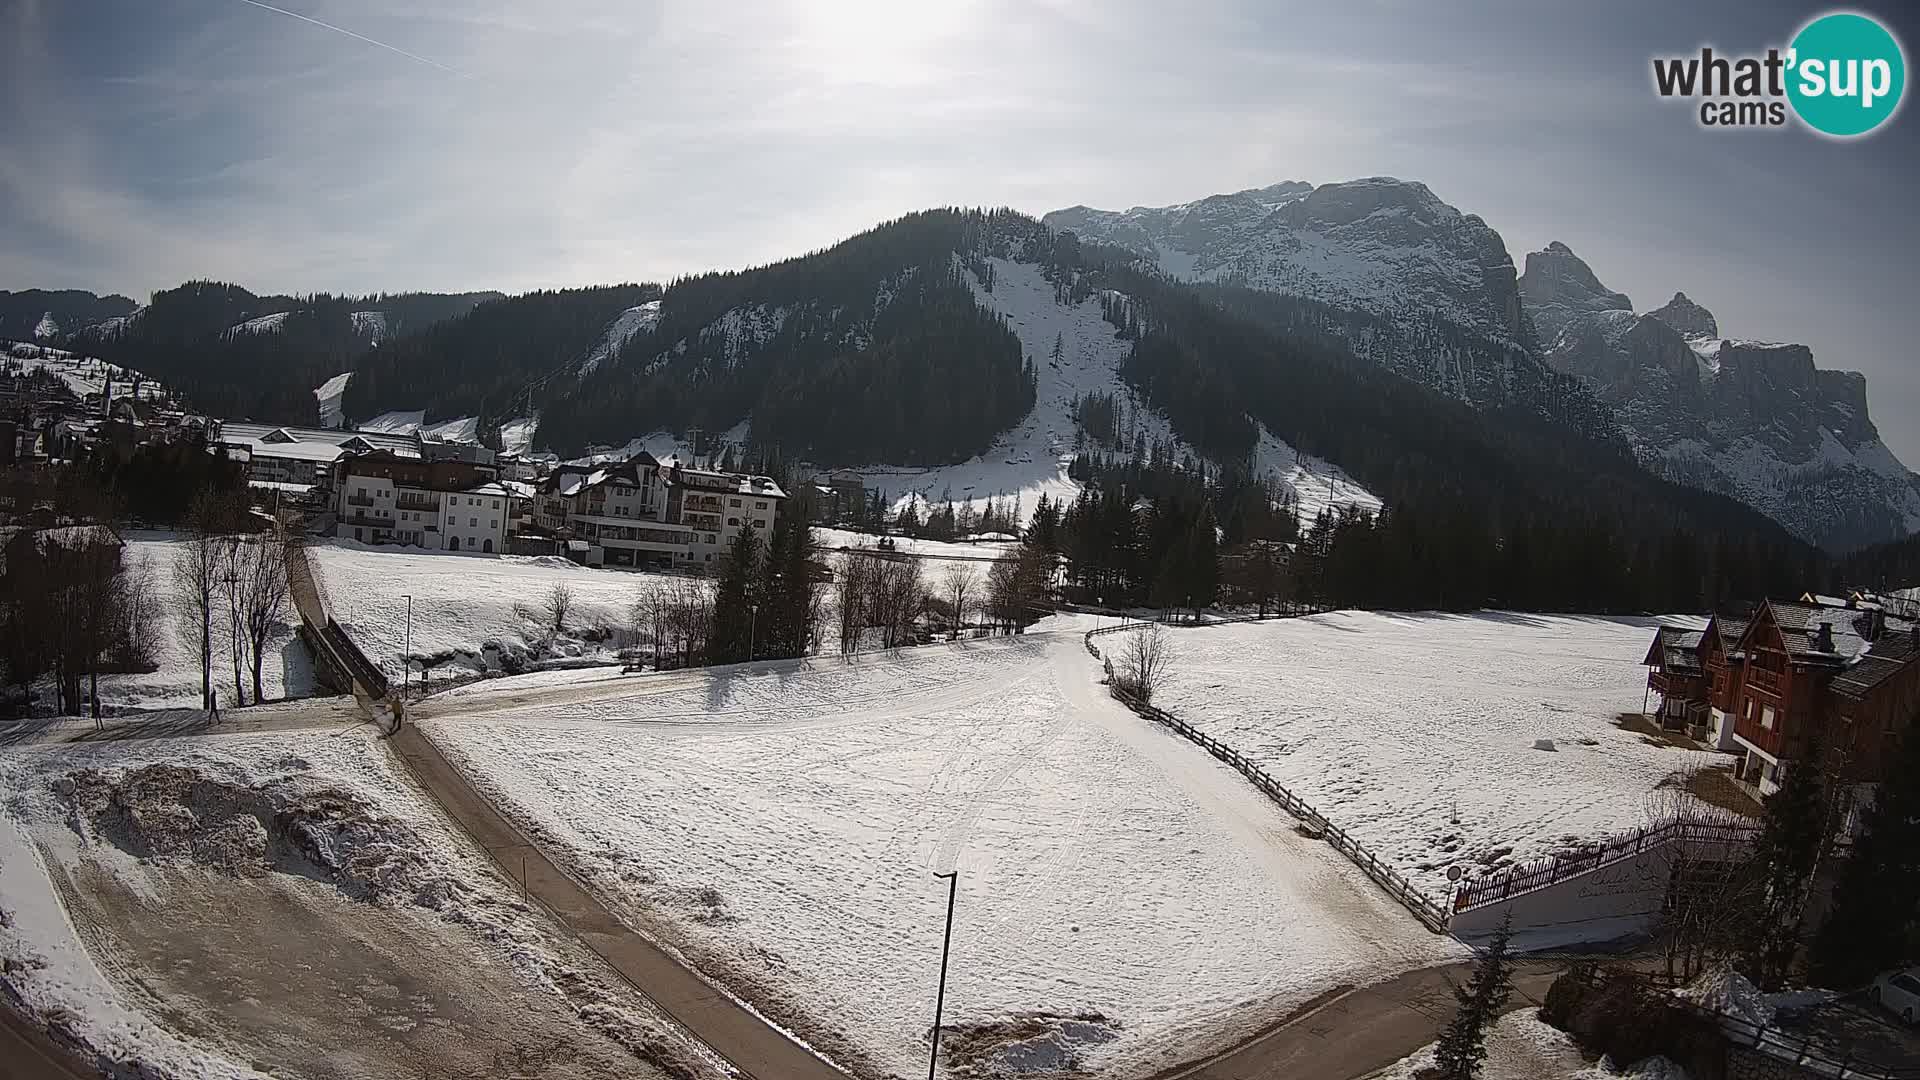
(1846, 74)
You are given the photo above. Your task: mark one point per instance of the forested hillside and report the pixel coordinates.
(42, 314)
(873, 350)
(235, 354)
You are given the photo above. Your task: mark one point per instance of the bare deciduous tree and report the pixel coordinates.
(850, 588)
(1145, 659)
(262, 596)
(958, 585)
(1712, 885)
(196, 581)
(559, 605)
(897, 598)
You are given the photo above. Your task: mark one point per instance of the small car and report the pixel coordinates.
(1899, 993)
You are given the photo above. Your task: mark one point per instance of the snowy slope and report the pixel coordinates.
(46, 327)
(1415, 733)
(628, 323)
(371, 324)
(83, 374)
(1032, 458)
(516, 435)
(265, 324)
(465, 429)
(397, 422)
(780, 829)
(328, 394)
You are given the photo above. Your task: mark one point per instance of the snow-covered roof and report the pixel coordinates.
(291, 451)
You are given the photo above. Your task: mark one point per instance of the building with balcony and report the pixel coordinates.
(642, 512)
(385, 498)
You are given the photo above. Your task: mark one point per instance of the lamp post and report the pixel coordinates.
(406, 658)
(753, 626)
(940, 1000)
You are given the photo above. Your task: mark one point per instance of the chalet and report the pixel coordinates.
(383, 497)
(1817, 674)
(1676, 674)
(1724, 667)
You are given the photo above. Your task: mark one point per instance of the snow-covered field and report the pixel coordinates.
(1416, 733)
(175, 683)
(286, 903)
(1521, 1046)
(781, 828)
(464, 616)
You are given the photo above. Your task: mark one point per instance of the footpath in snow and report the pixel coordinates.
(1415, 733)
(1125, 903)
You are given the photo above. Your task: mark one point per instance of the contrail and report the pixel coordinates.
(356, 37)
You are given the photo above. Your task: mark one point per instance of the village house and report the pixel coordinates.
(1837, 675)
(296, 460)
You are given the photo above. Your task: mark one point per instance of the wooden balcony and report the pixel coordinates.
(1770, 682)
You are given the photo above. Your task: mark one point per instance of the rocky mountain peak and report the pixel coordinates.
(1692, 320)
(1558, 286)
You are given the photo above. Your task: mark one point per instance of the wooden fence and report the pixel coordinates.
(1424, 908)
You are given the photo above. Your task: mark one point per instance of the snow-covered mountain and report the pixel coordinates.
(1386, 246)
(1756, 420)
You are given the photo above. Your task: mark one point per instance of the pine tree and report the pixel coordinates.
(734, 620)
(1792, 831)
(1463, 1047)
(1876, 904)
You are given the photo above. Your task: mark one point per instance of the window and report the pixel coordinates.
(1749, 709)
(473, 523)
(496, 504)
(733, 523)
(760, 504)
(494, 523)
(759, 523)
(1766, 717)
(711, 540)
(451, 520)
(733, 502)
(1908, 983)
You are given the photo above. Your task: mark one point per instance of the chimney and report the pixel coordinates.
(1823, 641)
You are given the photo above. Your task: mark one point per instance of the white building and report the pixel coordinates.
(383, 498)
(644, 513)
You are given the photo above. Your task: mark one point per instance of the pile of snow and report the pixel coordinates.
(625, 325)
(1726, 991)
(1521, 1046)
(1124, 899)
(328, 395)
(1391, 725)
(470, 611)
(329, 810)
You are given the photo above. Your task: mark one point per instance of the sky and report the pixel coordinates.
(419, 144)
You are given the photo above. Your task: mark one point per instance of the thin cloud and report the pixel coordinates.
(357, 37)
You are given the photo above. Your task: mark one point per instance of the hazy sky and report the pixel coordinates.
(513, 144)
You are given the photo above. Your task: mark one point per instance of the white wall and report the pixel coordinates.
(478, 522)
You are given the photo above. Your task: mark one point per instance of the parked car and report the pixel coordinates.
(1899, 992)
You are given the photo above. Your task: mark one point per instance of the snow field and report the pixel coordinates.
(464, 615)
(1521, 1046)
(1415, 733)
(441, 890)
(780, 828)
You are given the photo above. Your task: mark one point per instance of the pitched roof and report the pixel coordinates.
(1890, 655)
(1674, 650)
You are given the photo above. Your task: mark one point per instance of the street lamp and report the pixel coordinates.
(406, 658)
(940, 1001)
(753, 626)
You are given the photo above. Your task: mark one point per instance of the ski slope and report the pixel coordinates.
(329, 394)
(781, 828)
(1032, 458)
(1415, 733)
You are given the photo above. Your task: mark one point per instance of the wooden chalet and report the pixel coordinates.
(1675, 673)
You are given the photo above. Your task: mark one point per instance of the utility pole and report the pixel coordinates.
(940, 1000)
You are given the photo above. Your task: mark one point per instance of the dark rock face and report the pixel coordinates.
(1756, 420)
(1689, 318)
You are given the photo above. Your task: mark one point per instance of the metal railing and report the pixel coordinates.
(1553, 869)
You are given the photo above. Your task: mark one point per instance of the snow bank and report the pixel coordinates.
(1415, 733)
(1521, 1046)
(780, 828)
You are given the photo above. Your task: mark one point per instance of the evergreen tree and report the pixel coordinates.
(1788, 849)
(1463, 1046)
(734, 620)
(1876, 904)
